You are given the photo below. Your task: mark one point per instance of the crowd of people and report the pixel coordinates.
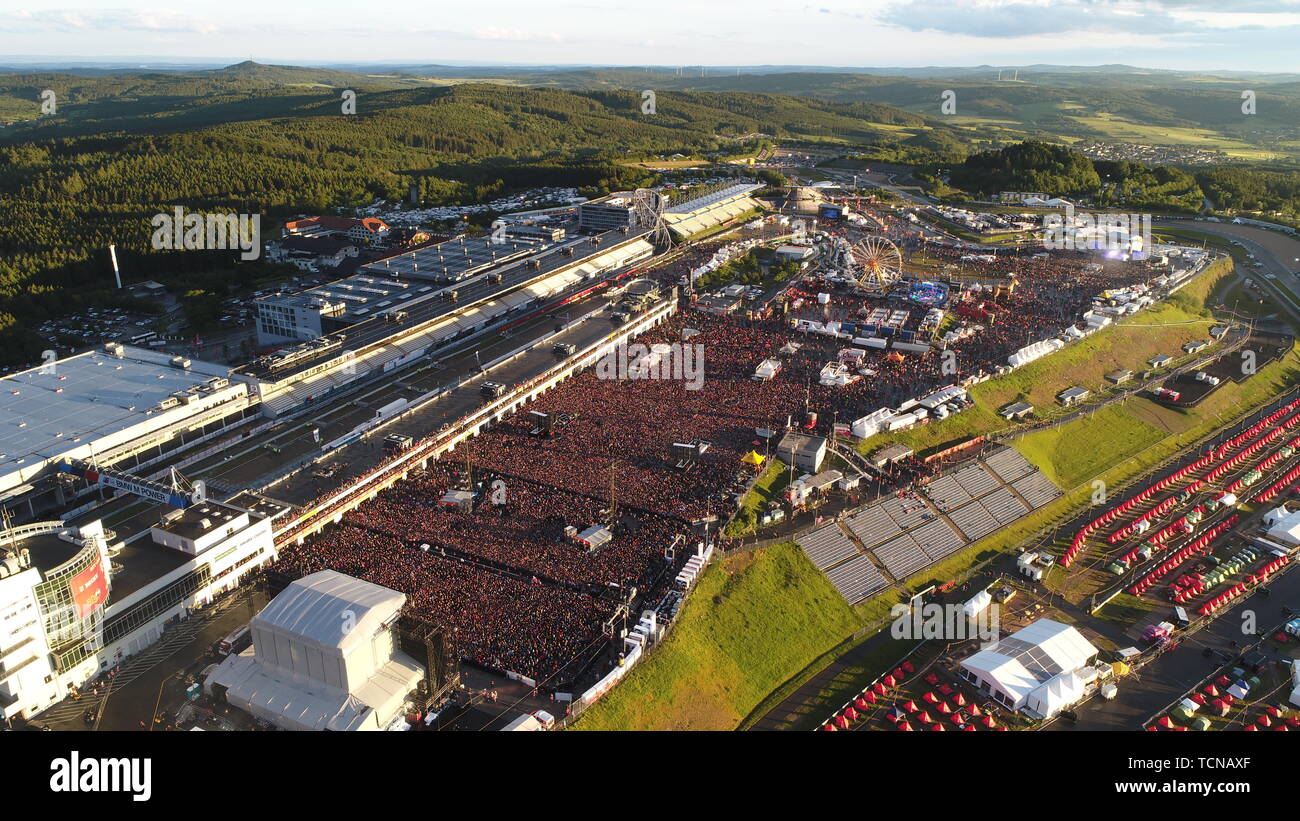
(524, 533)
(500, 622)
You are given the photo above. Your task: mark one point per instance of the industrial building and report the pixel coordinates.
(325, 656)
(802, 451)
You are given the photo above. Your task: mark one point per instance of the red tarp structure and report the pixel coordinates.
(930, 697)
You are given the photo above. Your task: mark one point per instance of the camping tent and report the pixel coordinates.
(752, 458)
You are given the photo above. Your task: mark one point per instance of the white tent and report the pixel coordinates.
(1286, 530)
(1057, 694)
(977, 604)
(1016, 667)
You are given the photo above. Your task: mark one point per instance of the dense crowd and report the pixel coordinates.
(525, 535)
(500, 621)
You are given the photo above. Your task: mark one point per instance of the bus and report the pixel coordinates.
(139, 338)
(235, 642)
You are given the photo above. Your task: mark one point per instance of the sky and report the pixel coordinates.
(1247, 35)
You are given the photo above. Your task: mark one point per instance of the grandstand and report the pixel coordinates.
(715, 208)
(432, 317)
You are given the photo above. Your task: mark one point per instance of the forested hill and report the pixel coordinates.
(280, 150)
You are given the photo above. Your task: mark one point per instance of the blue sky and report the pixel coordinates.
(1177, 34)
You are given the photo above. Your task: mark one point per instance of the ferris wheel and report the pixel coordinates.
(880, 262)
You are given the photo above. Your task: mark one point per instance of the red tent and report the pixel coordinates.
(907, 665)
(944, 688)
(974, 709)
(944, 708)
(851, 714)
(925, 718)
(932, 679)
(989, 721)
(879, 689)
(861, 704)
(899, 674)
(957, 719)
(890, 681)
(1165, 722)
(936, 728)
(868, 697)
(930, 697)
(1251, 728)
(904, 726)
(829, 728)
(970, 728)
(1264, 721)
(959, 700)
(911, 706)
(841, 722)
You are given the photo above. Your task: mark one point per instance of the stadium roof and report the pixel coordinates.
(701, 203)
(53, 410)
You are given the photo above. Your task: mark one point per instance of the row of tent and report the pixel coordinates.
(1230, 568)
(1227, 447)
(864, 702)
(1277, 487)
(1201, 545)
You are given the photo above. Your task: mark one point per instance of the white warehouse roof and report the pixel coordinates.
(92, 400)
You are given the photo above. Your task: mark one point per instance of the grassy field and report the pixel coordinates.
(1080, 450)
(754, 621)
